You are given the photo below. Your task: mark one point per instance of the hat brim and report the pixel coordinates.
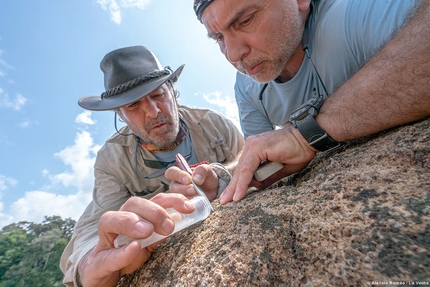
(95, 103)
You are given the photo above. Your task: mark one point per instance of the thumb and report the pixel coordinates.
(202, 173)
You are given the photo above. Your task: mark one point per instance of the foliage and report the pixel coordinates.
(30, 252)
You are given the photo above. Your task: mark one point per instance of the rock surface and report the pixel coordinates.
(357, 216)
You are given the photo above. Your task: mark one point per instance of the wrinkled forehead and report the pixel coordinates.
(200, 6)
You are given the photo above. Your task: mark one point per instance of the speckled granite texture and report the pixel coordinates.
(358, 216)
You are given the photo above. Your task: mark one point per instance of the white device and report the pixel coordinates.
(203, 210)
(266, 169)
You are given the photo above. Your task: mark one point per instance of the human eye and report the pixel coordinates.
(246, 21)
(157, 95)
(217, 37)
(131, 106)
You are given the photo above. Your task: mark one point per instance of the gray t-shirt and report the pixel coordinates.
(343, 35)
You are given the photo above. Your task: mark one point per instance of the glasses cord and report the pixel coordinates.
(305, 39)
(136, 165)
(305, 47)
(116, 128)
(138, 150)
(260, 97)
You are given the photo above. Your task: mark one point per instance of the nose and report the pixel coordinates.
(151, 107)
(235, 48)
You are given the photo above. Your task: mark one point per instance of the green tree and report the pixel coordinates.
(30, 252)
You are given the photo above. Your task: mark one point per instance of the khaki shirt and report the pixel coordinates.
(214, 138)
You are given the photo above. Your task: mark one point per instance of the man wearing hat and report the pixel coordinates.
(313, 74)
(129, 195)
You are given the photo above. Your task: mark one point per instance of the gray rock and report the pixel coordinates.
(357, 216)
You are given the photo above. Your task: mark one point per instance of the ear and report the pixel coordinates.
(303, 5)
(118, 113)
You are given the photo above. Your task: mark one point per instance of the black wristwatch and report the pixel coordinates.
(304, 120)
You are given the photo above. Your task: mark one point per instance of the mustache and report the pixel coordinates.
(243, 65)
(160, 119)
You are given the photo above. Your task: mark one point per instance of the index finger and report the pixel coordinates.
(174, 173)
(243, 175)
(139, 213)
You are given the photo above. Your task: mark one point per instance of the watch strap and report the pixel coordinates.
(224, 176)
(315, 135)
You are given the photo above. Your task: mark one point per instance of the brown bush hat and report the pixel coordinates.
(129, 74)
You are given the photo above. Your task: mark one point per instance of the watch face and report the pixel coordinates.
(309, 107)
(300, 113)
(313, 102)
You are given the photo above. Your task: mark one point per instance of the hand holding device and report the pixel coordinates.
(202, 210)
(266, 169)
(181, 220)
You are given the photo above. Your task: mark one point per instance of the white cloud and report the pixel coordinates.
(226, 103)
(24, 124)
(37, 204)
(6, 181)
(85, 118)
(114, 7)
(3, 62)
(81, 158)
(4, 218)
(15, 104)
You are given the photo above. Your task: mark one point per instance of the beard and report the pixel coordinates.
(281, 45)
(162, 138)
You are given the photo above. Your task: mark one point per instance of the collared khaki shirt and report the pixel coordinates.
(215, 139)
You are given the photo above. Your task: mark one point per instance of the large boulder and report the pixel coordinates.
(354, 217)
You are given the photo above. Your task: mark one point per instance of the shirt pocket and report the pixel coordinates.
(221, 150)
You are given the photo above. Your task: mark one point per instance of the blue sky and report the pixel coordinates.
(50, 53)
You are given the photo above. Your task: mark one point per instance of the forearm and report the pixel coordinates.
(393, 88)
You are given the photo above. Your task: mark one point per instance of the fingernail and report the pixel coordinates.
(167, 225)
(198, 179)
(221, 199)
(143, 227)
(189, 205)
(191, 191)
(185, 180)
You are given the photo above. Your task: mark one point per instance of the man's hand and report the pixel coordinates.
(203, 176)
(286, 145)
(137, 218)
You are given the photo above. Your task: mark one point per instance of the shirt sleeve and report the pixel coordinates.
(253, 119)
(369, 26)
(108, 194)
